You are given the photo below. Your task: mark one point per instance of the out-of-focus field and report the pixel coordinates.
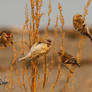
(82, 77)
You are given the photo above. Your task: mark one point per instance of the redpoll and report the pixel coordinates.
(6, 38)
(79, 23)
(38, 49)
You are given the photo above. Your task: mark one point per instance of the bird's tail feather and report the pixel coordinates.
(24, 58)
(21, 59)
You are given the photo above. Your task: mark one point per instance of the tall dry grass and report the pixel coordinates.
(31, 26)
(81, 42)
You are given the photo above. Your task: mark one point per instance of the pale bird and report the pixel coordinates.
(68, 59)
(79, 23)
(6, 38)
(38, 49)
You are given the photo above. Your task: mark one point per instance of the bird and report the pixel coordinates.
(38, 49)
(3, 82)
(68, 59)
(6, 38)
(79, 23)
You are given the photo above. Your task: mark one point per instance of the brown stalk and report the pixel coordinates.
(62, 43)
(67, 81)
(86, 8)
(28, 77)
(27, 17)
(57, 78)
(23, 77)
(32, 3)
(12, 67)
(62, 25)
(80, 46)
(49, 19)
(38, 17)
(33, 87)
(54, 45)
(45, 73)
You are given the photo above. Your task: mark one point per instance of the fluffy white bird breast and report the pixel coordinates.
(39, 49)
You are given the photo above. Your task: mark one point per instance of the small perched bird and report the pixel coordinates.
(79, 23)
(6, 38)
(38, 49)
(68, 59)
(3, 82)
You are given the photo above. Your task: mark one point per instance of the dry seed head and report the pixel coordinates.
(78, 21)
(6, 38)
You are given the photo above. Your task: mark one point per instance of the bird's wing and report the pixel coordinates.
(66, 57)
(28, 54)
(39, 47)
(38, 50)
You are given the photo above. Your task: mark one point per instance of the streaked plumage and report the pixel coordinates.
(68, 59)
(6, 38)
(79, 23)
(3, 82)
(38, 49)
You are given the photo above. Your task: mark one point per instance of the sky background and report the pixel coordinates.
(12, 12)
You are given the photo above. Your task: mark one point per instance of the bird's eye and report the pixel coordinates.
(80, 15)
(59, 53)
(83, 21)
(84, 25)
(49, 41)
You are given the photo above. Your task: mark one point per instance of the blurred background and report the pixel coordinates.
(12, 18)
(12, 12)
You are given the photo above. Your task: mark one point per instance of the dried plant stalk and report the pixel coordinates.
(28, 77)
(33, 87)
(57, 78)
(49, 19)
(67, 81)
(11, 78)
(12, 68)
(30, 34)
(38, 16)
(62, 43)
(32, 3)
(86, 8)
(45, 73)
(55, 34)
(80, 49)
(23, 77)
(18, 80)
(27, 17)
(54, 45)
(79, 54)
(72, 85)
(62, 25)
(61, 29)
